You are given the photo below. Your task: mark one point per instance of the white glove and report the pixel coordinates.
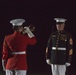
(27, 30)
(3, 61)
(48, 61)
(67, 64)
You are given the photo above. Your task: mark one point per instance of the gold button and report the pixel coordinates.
(56, 45)
(57, 40)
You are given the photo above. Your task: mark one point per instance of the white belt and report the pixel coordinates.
(23, 52)
(54, 48)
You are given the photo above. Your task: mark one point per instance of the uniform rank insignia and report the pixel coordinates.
(70, 52)
(71, 41)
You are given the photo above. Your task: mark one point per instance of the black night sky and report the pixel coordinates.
(40, 13)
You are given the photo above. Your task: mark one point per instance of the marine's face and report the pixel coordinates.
(60, 27)
(20, 28)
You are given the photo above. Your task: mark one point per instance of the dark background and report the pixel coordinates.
(40, 13)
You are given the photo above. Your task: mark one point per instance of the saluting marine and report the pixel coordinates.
(59, 48)
(14, 60)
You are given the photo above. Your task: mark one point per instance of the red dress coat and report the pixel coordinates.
(16, 42)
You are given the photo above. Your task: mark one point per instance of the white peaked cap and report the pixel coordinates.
(60, 19)
(17, 22)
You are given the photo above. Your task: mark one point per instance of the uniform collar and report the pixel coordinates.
(61, 31)
(17, 32)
